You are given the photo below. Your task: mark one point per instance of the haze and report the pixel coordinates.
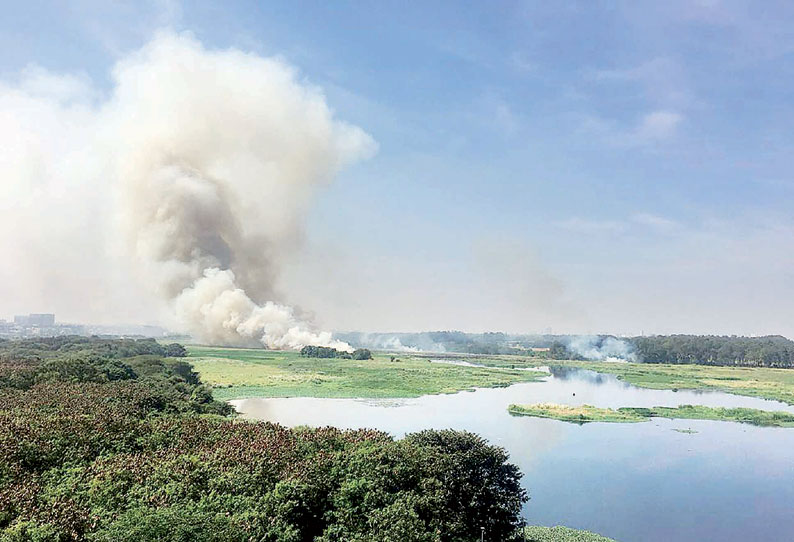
(524, 179)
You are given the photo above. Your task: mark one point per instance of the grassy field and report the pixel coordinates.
(237, 373)
(561, 534)
(587, 413)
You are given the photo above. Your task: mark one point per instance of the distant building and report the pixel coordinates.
(42, 320)
(35, 320)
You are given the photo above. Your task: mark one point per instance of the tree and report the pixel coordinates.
(559, 351)
(175, 350)
(362, 353)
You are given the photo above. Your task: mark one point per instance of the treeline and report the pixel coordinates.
(98, 447)
(769, 351)
(328, 352)
(490, 343)
(43, 347)
(131, 367)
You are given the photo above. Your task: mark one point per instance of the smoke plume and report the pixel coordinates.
(209, 160)
(384, 341)
(601, 348)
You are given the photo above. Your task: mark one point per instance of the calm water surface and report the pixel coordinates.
(638, 482)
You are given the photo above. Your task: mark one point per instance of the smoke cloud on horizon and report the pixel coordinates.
(198, 169)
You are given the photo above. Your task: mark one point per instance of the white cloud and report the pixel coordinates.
(492, 111)
(521, 63)
(650, 129)
(620, 225)
(662, 80)
(590, 227)
(655, 221)
(658, 125)
(505, 118)
(41, 83)
(661, 88)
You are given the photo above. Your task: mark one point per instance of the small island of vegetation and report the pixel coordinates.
(588, 413)
(576, 414)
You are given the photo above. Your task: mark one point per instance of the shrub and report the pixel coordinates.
(362, 353)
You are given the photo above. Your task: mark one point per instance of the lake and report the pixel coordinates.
(641, 482)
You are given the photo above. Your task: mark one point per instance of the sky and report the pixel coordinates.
(577, 167)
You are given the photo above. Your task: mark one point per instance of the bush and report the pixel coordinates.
(362, 353)
(319, 352)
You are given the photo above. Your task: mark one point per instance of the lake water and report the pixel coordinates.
(640, 482)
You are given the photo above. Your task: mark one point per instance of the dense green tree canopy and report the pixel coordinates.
(327, 352)
(770, 351)
(99, 447)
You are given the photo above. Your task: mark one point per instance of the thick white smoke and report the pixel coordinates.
(220, 312)
(210, 159)
(384, 342)
(599, 348)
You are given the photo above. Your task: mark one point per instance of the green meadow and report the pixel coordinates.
(241, 372)
(236, 373)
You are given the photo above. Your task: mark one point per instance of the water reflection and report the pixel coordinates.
(634, 482)
(572, 373)
(464, 363)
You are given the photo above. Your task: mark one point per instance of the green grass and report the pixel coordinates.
(561, 534)
(763, 418)
(576, 414)
(238, 372)
(777, 384)
(587, 413)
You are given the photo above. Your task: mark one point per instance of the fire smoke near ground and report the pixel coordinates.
(213, 158)
(601, 348)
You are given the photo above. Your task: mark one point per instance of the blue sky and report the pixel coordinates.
(617, 167)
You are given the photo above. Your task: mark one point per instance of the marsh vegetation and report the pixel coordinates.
(237, 373)
(575, 414)
(588, 413)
